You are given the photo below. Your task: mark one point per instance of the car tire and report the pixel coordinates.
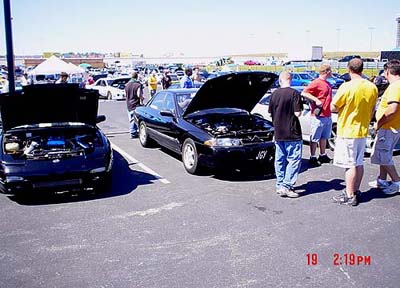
(190, 157)
(332, 139)
(109, 95)
(144, 137)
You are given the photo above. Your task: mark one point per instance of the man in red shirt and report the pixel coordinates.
(320, 91)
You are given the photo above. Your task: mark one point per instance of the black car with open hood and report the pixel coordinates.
(50, 140)
(212, 126)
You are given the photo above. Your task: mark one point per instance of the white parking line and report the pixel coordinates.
(141, 165)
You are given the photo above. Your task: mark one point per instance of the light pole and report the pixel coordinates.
(371, 29)
(308, 37)
(9, 44)
(338, 38)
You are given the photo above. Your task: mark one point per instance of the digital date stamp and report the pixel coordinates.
(341, 259)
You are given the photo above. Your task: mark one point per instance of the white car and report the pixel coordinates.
(110, 88)
(261, 109)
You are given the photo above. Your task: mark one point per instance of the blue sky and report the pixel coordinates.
(200, 28)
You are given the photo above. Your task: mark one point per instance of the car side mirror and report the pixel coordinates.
(167, 113)
(100, 118)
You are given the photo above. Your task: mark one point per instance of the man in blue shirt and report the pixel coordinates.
(186, 81)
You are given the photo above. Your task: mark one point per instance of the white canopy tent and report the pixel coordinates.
(54, 66)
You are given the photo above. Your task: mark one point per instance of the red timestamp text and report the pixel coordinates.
(351, 259)
(345, 259)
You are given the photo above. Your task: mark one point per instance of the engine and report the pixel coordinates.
(240, 126)
(39, 145)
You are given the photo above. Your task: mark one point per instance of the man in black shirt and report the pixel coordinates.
(166, 80)
(134, 96)
(285, 107)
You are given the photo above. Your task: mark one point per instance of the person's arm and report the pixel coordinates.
(390, 111)
(339, 99)
(298, 105)
(312, 98)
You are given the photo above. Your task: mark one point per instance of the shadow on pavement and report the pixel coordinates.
(374, 193)
(314, 187)
(124, 181)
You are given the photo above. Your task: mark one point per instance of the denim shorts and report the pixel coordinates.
(382, 151)
(321, 128)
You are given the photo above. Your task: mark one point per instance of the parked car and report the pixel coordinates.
(334, 81)
(347, 58)
(300, 79)
(211, 126)
(261, 109)
(110, 88)
(346, 77)
(50, 141)
(251, 62)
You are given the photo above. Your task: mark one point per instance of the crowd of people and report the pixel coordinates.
(355, 103)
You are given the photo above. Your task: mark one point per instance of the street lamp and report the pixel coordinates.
(308, 37)
(338, 38)
(371, 29)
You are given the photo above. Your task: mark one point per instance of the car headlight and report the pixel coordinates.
(98, 170)
(223, 142)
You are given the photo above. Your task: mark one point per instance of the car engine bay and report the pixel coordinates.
(246, 127)
(50, 143)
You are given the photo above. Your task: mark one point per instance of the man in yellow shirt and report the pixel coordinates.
(388, 131)
(354, 102)
(152, 83)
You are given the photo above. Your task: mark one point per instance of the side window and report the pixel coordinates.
(169, 103)
(158, 101)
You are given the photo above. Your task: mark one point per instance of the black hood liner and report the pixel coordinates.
(240, 90)
(49, 103)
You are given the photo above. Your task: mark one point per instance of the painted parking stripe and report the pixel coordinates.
(141, 165)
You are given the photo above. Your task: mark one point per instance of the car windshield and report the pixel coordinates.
(118, 82)
(174, 77)
(183, 100)
(305, 76)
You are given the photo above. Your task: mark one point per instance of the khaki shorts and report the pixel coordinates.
(382, 150)
(349, 152)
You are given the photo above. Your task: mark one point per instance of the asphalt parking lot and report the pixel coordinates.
(162, 227)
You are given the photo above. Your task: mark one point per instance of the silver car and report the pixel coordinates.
(261, 109)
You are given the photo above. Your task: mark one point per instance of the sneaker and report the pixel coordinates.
(313, 162)
(281, 191)
(343, 199)
(379, 183)
(324, 159)
(291, 193)
(391, 189)
(133, 136)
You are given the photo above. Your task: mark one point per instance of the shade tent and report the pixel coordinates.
(54, 65)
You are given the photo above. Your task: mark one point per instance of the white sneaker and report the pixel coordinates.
(392, 188)
(379, 183)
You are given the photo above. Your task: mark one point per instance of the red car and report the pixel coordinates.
(251, 62)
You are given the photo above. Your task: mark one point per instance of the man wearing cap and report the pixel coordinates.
(320, 92)
(63, 78)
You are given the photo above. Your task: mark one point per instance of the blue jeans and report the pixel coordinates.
(133, 128)
(287, 162)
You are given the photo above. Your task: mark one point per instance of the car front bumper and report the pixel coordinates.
(238, 157)
(67, 182)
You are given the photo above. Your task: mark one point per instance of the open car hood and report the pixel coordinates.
(49, 103)
(240, 90)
